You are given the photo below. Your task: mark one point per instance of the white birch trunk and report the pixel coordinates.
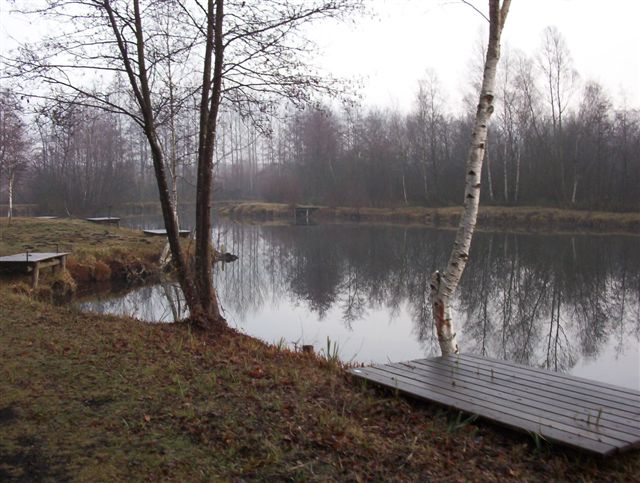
(443, 285)
(505, 173)
(488, 158)
(12, 176)
(517, 185)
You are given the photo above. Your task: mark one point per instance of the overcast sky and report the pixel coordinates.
(392, 49)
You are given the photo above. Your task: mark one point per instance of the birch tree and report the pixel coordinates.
(13, 144)
(443, 284)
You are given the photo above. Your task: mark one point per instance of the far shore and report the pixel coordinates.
(490, 218)
(527, 218)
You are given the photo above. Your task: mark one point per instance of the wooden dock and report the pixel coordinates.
(33, 262)
(302, 214)
(163, 232)
(589, 415)
(105, 220)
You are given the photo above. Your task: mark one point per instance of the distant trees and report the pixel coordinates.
(83, 160)
(556, 140)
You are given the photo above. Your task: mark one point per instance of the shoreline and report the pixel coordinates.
(122, 399)
(490, 218)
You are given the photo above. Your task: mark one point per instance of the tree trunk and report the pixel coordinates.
(516, 189)
(12, 178)
(140, 85)
(443, 285)
(210, 102)
(505, 172)
(489, 178)
(404, 189)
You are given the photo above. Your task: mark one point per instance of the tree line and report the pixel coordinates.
(554, 140)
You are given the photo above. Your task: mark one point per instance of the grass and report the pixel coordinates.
(98, 253)
(95, 398)
(528, 218)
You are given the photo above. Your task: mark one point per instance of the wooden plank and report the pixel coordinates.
(584, 416)
(503, 402)
(540, 393)
(593, 416)
(105, 220)
(34, 262)
(622, 398)
(595, 402)
(548, 432)
(558, 376)
(31, 257)
(535, 423)
(514, 399)
(163, 232)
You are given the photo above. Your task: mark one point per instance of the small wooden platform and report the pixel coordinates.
(163, 232)
(105, 220)
(33, 262)
(302, 214)
(581, 413)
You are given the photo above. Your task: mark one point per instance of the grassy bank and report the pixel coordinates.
(96, 398)
(489, 217)
(98, 253)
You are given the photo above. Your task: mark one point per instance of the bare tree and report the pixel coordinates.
(443, 285)
(429, 117)
(249, 54)
(560, 79)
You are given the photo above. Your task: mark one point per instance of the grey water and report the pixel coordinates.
(569, 303)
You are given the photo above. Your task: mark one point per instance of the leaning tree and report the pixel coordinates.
(248, 53)
(443, 285)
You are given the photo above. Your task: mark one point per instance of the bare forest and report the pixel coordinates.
(556, 139)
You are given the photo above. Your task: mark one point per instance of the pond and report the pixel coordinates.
(569, 303)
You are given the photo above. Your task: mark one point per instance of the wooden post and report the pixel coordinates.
(35, 275)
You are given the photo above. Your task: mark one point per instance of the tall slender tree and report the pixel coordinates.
(443, 285)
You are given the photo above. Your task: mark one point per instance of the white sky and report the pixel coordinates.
(390, 51)
(407, 37)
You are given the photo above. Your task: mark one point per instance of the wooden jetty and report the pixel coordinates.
(33, 262)
(105, 220)
(302, 213)
(589, 415)
(163, 232)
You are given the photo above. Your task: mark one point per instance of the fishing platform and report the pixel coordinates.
(105, 220)
(589, 415)
(33, 262)
(302, 214)
(163, 232)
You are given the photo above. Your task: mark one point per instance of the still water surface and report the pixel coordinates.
(567, 303)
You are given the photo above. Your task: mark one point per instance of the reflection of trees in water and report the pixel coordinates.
(550, 297)
(534, 299)
(163, 302)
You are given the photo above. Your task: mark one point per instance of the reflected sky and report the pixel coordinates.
(567, 303)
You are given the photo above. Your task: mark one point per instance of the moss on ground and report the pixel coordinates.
(95, 398)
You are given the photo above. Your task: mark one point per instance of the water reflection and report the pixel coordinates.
(567, 303)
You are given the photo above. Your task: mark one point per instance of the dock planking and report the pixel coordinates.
(163, 232)
(105, 220)
(584, 414)
(33, 262)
